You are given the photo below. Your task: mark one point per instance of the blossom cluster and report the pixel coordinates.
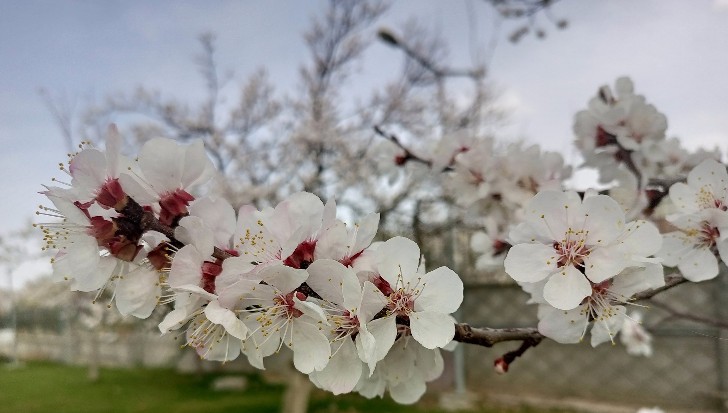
(620, 128)
(358, 316)
(582, 257)
(493, 184)
(581, 262)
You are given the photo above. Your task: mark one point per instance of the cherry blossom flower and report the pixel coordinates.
(168, 173)
(693, 248)
(95, 173)
(575, 245)
(702, 222)
(603, 309)
(615, 128)
(635, 338)
(279, 314)
(404, 372)
(355, 337)
(426, 300)
(286, 234)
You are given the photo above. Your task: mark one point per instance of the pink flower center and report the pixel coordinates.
(346, 325)
(571, 252)
(288, 304)
(708, 234)
(401, 302)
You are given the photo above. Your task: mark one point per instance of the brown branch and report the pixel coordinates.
(408, 155)
(671, 281)
(487, 337)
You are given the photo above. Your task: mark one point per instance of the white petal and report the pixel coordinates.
(141, 193)
(196, 166)
(432, 329)
(137, 293)
(186, 267)
(343, 371)
(606, 329)
(113, 150)
(333, 243)
(684, 197)
(365, 232)
(408, 391)
(636, 279)
(372, 301)
(88, 169)
(530, 262)
(674, 246)
(285, 279)
(442, 292)
(72, 213)
(223, 349)
(78, 259)
(549, 213)
(310, 309)
(723, 250)
(97, 278)
(567, 288)
(160, 160)
(604, 219)
(642, 238)
(604, 263)
(562, 326)
(384, 332)
(325, 276)
(398, 259)
(218, 216)
(709, 176)
(226, 318)
(699, 264)
(310, 347)
(192, 231)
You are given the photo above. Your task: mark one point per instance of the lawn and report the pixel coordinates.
(42, 387)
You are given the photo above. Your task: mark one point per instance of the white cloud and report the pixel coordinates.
(721, 5)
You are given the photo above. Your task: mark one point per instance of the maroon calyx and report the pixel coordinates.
(210, 271)
(302, 256)
(111, 195)
(173, 205)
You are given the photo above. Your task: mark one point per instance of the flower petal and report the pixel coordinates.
(530, 262)
(442, 292)
(311, 349)
(564, 327)
(699, 264)
(432, 329)
(398, 259)
(567, 288)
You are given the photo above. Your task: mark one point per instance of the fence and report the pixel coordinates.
(688, 370)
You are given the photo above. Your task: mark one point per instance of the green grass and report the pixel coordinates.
(42, 387)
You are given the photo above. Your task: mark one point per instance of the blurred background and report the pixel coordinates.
(286, 95)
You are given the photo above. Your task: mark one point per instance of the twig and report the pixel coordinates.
(408, 155)
(688, 316)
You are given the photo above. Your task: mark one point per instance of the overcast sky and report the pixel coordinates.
(674, 50)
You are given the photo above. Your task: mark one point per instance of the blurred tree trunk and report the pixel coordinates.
(298, 391)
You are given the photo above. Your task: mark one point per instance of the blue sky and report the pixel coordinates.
(674, 50)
